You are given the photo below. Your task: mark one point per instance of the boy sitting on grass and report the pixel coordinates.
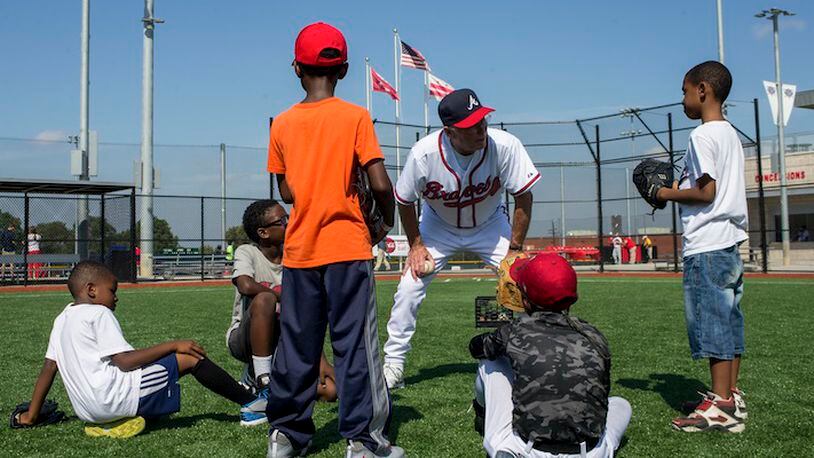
(111, 385)
(257, 277)
(544, 378)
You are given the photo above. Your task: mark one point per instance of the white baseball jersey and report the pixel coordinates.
(465, 195)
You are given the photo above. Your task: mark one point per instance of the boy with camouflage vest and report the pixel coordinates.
(544, 378)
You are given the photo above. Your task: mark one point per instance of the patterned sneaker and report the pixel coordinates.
(254, 413)
(713, 414)
(357, 450)
(740, 405)
(394, 376)
(281, 447)
(119, 429)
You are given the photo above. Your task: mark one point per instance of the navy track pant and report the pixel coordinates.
(342, 296)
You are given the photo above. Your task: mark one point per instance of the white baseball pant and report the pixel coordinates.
(489, 241)
(493, 390)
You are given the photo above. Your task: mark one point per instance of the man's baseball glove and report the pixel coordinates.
(508, 294)
(370, 209)
(650, 176)
(49, 414)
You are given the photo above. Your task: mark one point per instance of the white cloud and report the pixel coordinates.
(51, 135)
(764, 29)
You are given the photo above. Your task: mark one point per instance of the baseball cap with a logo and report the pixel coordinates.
(315, 38)
(461, 108)
(547, 280)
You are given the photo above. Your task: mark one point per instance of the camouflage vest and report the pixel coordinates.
(561, 366)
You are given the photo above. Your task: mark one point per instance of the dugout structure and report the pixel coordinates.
(105, 232)
(586, 196)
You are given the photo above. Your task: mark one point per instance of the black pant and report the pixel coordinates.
(342, 295)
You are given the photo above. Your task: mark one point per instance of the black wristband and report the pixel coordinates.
(516, 247)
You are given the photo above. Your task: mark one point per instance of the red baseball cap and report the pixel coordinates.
(315, 38)
(547, 280)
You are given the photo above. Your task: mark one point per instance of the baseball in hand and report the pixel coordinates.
(428, 267)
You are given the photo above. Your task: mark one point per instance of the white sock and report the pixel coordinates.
(262, 365)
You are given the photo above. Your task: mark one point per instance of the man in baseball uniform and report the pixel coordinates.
(461, 172)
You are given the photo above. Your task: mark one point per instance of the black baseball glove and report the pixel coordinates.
(49, 414)
(370, 209)
(650, 176)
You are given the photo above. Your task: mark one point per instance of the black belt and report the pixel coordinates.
(568, 448)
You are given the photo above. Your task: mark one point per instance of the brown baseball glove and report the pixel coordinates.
(508, 295)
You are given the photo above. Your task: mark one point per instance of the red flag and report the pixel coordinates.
(381, 85)
(438, 87)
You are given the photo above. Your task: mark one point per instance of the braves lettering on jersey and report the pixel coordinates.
(465, 196)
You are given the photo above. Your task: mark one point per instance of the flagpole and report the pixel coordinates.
(367, 85)
(426, 101)
(397, 72)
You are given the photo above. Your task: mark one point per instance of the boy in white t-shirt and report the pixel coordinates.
(111, 385)
(712, 198)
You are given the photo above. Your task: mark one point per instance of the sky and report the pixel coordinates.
(223, 68)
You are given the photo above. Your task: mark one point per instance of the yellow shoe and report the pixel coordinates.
(119, 429)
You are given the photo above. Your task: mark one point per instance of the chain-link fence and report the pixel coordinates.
(583, 203)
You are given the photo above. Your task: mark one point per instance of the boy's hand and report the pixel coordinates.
(190, 347)
(23, 417)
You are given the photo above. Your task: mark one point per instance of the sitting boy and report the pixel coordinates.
(257, 276)
(544, 378)
(111, 385)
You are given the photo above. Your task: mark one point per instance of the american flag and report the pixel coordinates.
(438, 87)
(410, 57)
(381, 85)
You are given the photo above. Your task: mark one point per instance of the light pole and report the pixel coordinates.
(632, 133)
(720, 10)
(773, 14)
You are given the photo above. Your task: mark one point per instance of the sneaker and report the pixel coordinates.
(281, 447)
(740, 404)
(358, 450)
(254, 413)
(737, 394)
(119, 429)
(713, 414)
(394, 376)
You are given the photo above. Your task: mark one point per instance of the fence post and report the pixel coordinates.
(102, 229)
(202, 239)
(600, 230)
(26, 218)
(673, 204)
(133, 264)
(761, 200)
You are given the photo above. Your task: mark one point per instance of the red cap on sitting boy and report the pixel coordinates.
(315, 38)
(547, 280)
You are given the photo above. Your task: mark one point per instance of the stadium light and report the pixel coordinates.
(773, 14)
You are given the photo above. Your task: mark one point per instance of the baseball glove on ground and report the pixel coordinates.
(49, 414)
(508, 295)
(650, 176)
(370, 209)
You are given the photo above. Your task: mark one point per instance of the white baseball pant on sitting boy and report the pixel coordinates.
(493, 390)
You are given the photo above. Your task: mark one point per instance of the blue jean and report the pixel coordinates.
(713, 287)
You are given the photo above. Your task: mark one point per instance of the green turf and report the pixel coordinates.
(642, 318)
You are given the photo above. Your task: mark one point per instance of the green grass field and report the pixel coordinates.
(642, 318)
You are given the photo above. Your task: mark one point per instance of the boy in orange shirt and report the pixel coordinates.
(315, 148)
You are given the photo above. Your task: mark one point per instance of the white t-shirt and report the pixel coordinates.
(250, 261)
(465, 192)
(34, 242)
(714, 150)
(82, 340)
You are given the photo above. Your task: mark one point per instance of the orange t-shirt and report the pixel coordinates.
(316, 146)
